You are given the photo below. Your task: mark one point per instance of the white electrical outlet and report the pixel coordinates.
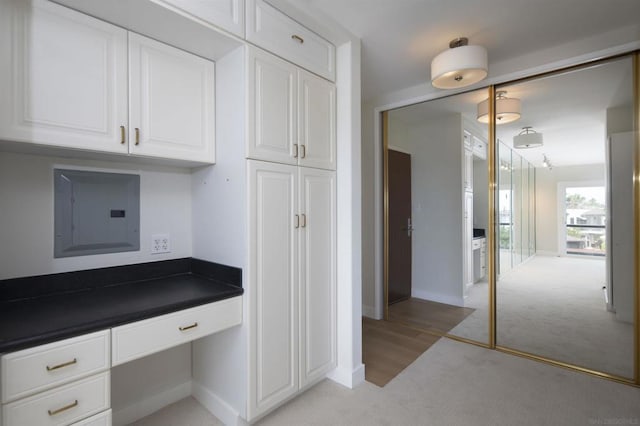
(160, 243)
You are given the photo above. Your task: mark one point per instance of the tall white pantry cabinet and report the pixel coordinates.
(288, 235)
(292, 229)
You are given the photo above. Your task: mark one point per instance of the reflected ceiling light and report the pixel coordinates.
(527, 138)
(546, 162)
(507, 109)
(460, 66)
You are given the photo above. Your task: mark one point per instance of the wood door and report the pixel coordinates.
(400, 227)
(273, 285)
(316, 121)
(171, 102)
(271, 115)
(64, 77)
(317, 274)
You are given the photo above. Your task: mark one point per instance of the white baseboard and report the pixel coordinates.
(346, 377)
(151, 404)
(435, 297)
(370, 312)
(216, 406)
(547, 253)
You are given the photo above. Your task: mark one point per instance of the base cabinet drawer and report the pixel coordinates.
(102, 419)
(37, 369)
(142, 338)
(64, 405)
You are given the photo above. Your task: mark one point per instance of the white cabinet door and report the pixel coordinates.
(226, 14)
(272, 109)
(317, 274)
(64, 77)
(316, 121)
(273, 285)
(467, 243)
(171, 102)
(467, 171)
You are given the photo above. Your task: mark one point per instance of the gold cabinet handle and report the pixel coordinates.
(304, 220)
(123, 136)
(304, 151)
(297, 225)
(295, 150)
(188, 327)
(64, 364)
(137, 136)
(297, 38)
(61, 409)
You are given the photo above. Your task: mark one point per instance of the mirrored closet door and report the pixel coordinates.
(564, 219)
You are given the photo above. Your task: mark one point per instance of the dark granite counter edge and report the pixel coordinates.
(39, 288)
(68, 282)
(107, 323)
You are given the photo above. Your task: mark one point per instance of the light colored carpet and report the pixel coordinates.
(454, 384)
(554, 307)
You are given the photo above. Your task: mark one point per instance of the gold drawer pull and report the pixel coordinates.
(64, 364)
(65, 408)
(304, 151)
(297, 223)
(295, 150)
(123, 137)
(297, 38)
(188, 327)
(137, 136)
(304, 220)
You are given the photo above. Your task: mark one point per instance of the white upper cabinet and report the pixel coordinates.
(316, 121)
(68, 84)
(292, 116)
(171, 102)
(226, 14)
(64, 77)
(274, 31)
(272, 114)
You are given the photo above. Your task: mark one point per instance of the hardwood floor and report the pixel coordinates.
(388, 347)
(426, 315)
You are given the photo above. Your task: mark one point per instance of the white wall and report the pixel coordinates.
(547, 215)
(145, 385)
(219, 221)
(26, 214)
(435, 146)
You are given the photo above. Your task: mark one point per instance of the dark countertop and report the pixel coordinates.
(55, 315)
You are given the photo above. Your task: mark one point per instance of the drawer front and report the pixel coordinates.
(102, 419)
(276, 32)
(61, 406)
(37, 369)
(149, 336)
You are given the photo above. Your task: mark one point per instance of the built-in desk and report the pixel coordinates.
(61, 333)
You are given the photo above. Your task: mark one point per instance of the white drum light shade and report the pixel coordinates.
(460, 66)
(527, 138)
(507, 109)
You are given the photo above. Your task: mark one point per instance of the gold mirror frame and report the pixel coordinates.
(491, 237)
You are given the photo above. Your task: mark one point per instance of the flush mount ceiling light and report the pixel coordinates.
(527, 138)
(546, 162)
(507, 109)
(460, 66)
